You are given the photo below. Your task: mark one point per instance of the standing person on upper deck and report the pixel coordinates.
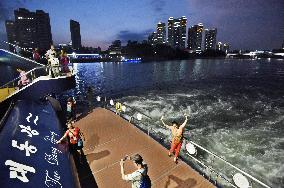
(17, 49)
(36, 55)
(177, 136)
(53, 62)
(64, 60)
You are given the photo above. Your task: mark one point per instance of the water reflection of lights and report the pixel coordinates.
(197, 67)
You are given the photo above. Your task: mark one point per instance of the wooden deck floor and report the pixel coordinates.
(109, 138)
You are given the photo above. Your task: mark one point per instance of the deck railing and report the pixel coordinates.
(199, 157)
(15, 85)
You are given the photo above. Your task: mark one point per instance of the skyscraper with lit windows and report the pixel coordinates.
(11, 33)
(75, 34)
(32, 29)
(152, 38)
(194, 40)
(161, 33)
(177, 32)
(210, 39)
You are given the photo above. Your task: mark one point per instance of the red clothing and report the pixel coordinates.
(64, 63)
(64, 60)
(176, 147)
(36, 56)
(73, 135)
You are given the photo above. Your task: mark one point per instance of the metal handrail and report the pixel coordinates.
(212, 170)
(243, 172)
(198, 146)
(30, 71)
(22, 57)
(17, 78)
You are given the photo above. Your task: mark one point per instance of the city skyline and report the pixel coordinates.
(244, 25)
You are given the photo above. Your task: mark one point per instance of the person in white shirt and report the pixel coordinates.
(52, 61)
(136, 177)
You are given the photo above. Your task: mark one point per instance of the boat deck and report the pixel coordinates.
(110, 137)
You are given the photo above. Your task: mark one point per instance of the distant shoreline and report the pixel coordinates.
(96, 60)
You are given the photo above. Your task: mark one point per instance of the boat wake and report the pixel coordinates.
(233, 125)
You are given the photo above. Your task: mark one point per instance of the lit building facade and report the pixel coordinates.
(210, 39)
(43, 30)
(75, 34)
(161, 33)
(226, 47)
(194, 40)
(115, 48)
(31, 29)
(153, 38)
(222, 47)
(177, 32)
(11, 33)
(219, 46)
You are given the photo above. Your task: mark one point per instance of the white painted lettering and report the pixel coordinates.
(29, 148)
(52, 181)
(19, 171)
(53, 157)
(51, 138)
(28, 130)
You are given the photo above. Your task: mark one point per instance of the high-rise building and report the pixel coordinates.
(32, 29)
(11, 33)
(222, 47)
(153, 38)
(226, 47)
(115, 47)
(194, 40)
(161, 33)
(219, 46)
(75, 34)
(43, 29)
(177, 32)
(210, 39)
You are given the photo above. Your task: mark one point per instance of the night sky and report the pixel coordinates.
(244, 24)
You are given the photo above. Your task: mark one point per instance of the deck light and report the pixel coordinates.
(74, 55)
(111, 102)
(139, 116)
(190, 149)
(98, 98)
(241, 181)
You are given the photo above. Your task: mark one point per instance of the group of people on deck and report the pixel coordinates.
(139, 178)
(58, 64)
(52, 57)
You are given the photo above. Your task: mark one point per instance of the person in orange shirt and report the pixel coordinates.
(177, 136)
(74, 134)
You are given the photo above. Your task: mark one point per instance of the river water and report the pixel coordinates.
(236, 106)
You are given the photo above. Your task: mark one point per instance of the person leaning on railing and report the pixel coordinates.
(177, 136)
(75, 139)
(24, 80)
